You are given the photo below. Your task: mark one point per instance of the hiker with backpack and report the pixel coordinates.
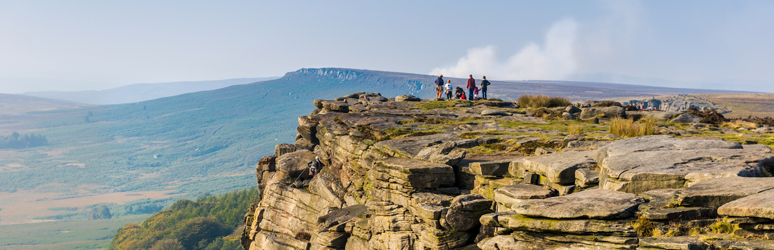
(471, 86)
(484, 84)
(438, 87)
(448, 89)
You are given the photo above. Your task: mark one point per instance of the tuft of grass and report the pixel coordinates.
(628, 128)
(543, 101)
(575, 129)
(722, 227)
(643, 227)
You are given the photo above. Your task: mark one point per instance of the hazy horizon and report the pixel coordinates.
(94, 45)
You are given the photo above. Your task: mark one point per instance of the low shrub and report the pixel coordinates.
(542, 101)
(708, 116)
(628, 128)
(607, 104)
(548, 114)
(575, 129)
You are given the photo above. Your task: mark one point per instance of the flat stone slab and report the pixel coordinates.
(411, 146)
(676, 243)
(716, 192)
(493, 112)
(645, 163)
(585, 177)
(559, 167)
(490, 168)
(744, 244)
(514, 221)
(593, 204)
(659, 198)
(685, 213)
(509, 195)
(413, 174)
(759, 205)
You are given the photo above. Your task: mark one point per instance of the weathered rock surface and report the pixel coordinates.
(594, 204)
(559, 167)
(295, 163)
(676, 243)
(509, 195)
(493, 112)
(606, 112)
(397, 176)
(686, 118)
(716, 192)
(645, 163)
(407, 98)
(759, 205)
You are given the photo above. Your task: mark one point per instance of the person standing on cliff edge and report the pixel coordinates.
(471, 86)
(484, 84)
(438, 87)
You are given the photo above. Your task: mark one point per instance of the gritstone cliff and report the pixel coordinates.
(402, 173)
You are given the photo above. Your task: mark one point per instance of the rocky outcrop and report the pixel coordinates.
(606, 112)
(398, 176)
(645, 163)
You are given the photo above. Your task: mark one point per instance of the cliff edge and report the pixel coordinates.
(406, 173)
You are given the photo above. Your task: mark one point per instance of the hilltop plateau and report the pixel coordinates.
(407, 173)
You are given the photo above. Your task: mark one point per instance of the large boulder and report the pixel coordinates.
(281, 149)
(606, 112)
(559, 167)
(295, 163)
(407, 98)
(465, 211)
(645, 163)
(593, 204)
(444, 153)
(686, 118)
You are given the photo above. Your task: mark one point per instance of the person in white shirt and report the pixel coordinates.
(448, 88)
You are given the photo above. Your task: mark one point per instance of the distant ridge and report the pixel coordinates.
(11, 104)
(142, 91)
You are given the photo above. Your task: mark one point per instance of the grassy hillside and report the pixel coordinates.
(207, 223)
(138, 158)
(141, 91)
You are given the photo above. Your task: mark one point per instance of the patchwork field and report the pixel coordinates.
(743, 105)
(93, 234)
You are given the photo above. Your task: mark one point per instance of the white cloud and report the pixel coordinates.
(555, 59)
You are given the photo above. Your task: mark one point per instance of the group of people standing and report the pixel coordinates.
(473, 91)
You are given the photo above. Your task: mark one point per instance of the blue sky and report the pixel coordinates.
(92, 45)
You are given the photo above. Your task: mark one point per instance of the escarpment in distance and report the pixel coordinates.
(406, 173)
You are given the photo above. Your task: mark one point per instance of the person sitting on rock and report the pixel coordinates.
(459, 93)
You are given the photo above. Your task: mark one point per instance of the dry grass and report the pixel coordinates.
(575, 129)
(543, 101)
(628, 128)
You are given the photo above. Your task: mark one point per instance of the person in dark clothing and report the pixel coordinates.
(484, 84)
(471, 86)
(439, 87)
(314, 166)
(459, 93)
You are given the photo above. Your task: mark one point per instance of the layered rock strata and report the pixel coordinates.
(407, 173)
